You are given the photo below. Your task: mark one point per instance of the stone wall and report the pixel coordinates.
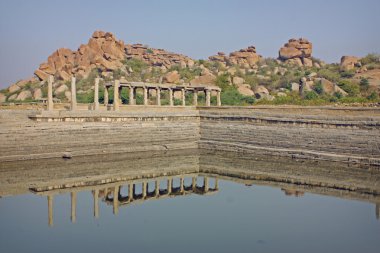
(350, 135)
(311, 133)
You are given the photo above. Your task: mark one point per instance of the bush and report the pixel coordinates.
(347, 74)
(223, 81)
(364, 84)
(329, 75)
(370, 58)
(136, 65)
(373, 96)
(310, 95)
(350, 87)
(318, 88)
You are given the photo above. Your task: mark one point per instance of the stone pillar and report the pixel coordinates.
(116, 200)
(194, 183)
(131, 95)
(205, 184)
(216, 184)
(218, 100)
(130, 192)
(116, 100)
(120, 90)
(73, 94)
(158, 95)
(181, 184)
(208, 98)
(73, 207)
(171, 102)
(144, 186)
(195, 98)
(50, 104)
(183, 97)
(106, 99)
(157, 189)
(145, 96)
(170, 183)
(96, 203)
(96, 94)
(50, 210)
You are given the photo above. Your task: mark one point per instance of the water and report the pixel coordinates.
(226, 215)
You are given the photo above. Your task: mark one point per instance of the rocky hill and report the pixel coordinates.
(245, 76)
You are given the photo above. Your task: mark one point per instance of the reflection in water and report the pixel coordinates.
(111, 193)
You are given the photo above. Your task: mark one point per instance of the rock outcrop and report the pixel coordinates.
(104, 52)
(297, 52)
(349, 63)
(246, 58)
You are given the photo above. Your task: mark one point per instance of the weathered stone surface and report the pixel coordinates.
(37, 93)
(237, 80)
(261, 89)
(245, 89)
(297, 52)
(206, 79)
(61, 89)
(14, 88)
(245, 58)
(12, 97)
(329, 87)
(24, 95)
(348, 62)
(172, 77)
(295, 87)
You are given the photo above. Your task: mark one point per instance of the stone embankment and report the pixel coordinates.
(350, 135)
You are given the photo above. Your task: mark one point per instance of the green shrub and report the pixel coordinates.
(136, 65)
(370, 58)
(329, 75)
(310, 95)
(223, 81)
(364, 84)
(318, 88)
(347, 74)
(350, 87)
(373, 96)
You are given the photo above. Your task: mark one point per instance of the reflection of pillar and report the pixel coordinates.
(144, 186)
(183, 97)
(218, 100)
(194, 183)
(134, 190)
(208, 98)
(73, 94)
(158, 96)
(145, 96)
(131, 96)
(378, 211)
(96, 94)
(205, 184)
(50, 210)
(106, 95)
(96, 203)
(195, 98)
(157, 189)
(181, 184)
(116, 200)
(216, 184)
(171, 102)
(73, 207)
(130, 191)
(116, 100)
(170, 185)
(50, 105)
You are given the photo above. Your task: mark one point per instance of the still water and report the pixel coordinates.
(227, 217)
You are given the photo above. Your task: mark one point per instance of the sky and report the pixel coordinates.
(32, 30)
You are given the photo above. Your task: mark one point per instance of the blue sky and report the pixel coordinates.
(32, 30)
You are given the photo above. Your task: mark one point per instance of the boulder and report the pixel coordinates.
(60, 89)
(206, 79)
(13, 88)
(24, 95)
(245, 89)
(348, 62)
(245, 58)
(13, 97)
(295, 87)
(297, 52)
(237, 80)
(37, 93)
(172, 77)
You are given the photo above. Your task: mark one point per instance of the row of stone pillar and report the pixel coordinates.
(132, 95)
(131, 195)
